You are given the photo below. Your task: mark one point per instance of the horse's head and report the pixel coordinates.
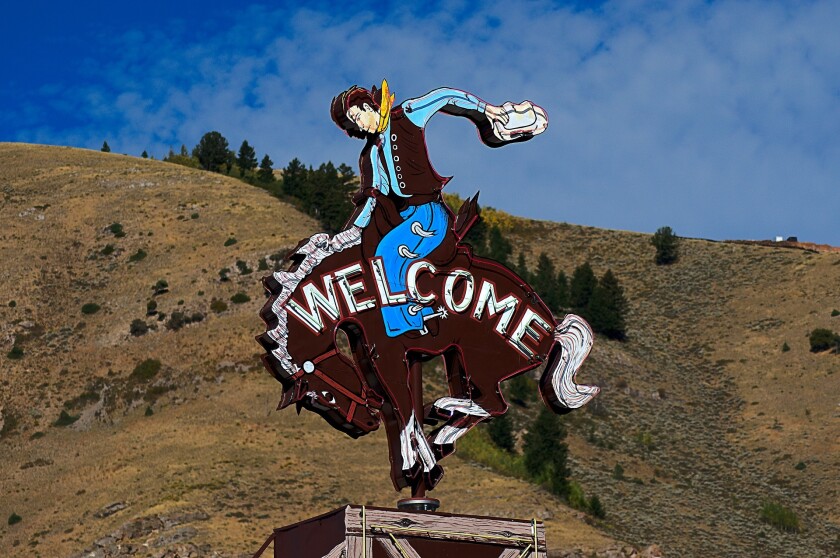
(314, 373)
(325, 381)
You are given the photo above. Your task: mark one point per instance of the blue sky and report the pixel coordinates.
(720, 119)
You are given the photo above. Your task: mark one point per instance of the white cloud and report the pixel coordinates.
(720, 119)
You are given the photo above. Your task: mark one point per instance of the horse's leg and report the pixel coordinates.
(472, 398)
(412, 459)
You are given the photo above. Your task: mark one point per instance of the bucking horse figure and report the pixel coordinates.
(403, 288)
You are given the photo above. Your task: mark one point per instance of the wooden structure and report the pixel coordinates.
(368, 532)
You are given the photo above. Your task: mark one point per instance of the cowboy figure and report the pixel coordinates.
(395, 170)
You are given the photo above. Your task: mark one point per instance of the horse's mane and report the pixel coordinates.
(282, 284)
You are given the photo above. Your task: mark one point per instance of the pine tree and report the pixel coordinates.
(501, 432)
(546, 453)
(294, 179)
(477, 238)
(522, 389)
(105, 147)
(608, 307)
(329, 195)
(247, 158)
(145, 155)
(266, 173)
(667, 246)
(184, 152)
(545, 282)
(562, 291)
(212, 151)
(498, 247)
(581, 288)
(522, 268)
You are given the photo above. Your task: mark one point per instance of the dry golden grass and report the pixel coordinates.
(213, 442)
(706, 414)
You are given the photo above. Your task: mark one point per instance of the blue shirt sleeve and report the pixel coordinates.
(419, 110)
(380, 182)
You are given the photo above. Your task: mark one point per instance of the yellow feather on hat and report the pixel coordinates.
(385, 107)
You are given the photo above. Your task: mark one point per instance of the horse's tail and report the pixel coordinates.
(573, 341)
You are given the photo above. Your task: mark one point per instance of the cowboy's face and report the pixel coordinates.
(365, 117)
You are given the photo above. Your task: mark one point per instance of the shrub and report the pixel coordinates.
(218, 306)
(12, 304)
(822, 339)
(194, 216)
(240, 298)
(81, 401)
(14, 518)
(16, 353)
(146, 370)
(138, 327)
(230, 241)
(800, 466)
(243, 267)
(478, 447)
(785, 347)
(108, 250)
(262, 265)
(577, 499)
(618, 472)
(596, 508)
(501, 432)
(90, 308)
(151, 308)
(149, 412)
(65, 419)
(117, 230)
(160, 287)
(197, 317)
(780, 517)
(223, 274)
(176, 321)
(139, 255)
(835, 313)
(667, 246)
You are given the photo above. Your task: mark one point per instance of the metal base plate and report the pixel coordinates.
(419, 504)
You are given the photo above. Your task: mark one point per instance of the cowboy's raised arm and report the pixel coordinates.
(452, 101)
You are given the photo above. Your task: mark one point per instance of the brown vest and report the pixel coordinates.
(415, 174)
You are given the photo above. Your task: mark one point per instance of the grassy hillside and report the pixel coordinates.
(192, 452)
(708, 417)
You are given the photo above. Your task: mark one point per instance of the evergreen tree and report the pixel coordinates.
(184, 152)
(498, 247)
(477, 238)
(562, 291)
(247, 158)
(266, 172)
(212, 151)
(581, 288)
(501, 432)
(546, 453)
(545, 282)
(608, 307)
(105, 147)
(667, 246)
(522, 268)
(294, 179)
(145, 155)
(330, 190)
(170, 156)
(522, 389)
